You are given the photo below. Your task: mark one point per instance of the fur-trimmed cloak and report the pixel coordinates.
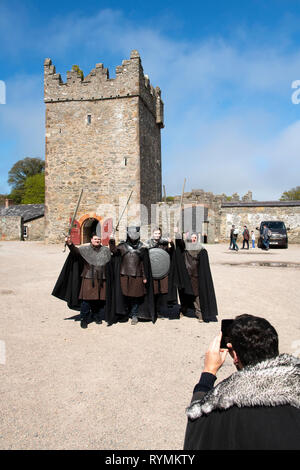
(255, 408)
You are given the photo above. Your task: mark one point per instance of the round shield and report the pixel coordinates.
(160, 262)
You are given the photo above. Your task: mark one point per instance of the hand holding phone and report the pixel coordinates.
(215, 356)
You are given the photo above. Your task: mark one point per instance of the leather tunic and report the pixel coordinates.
(191, 263)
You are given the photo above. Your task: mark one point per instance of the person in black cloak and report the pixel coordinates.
(85, 281)
(256, 407)
(133, 286)
(163, 272)
(194, 280)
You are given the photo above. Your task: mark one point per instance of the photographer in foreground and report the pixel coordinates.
(257, 407)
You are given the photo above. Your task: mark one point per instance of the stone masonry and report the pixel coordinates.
(102, 136)
(220, 214)
(253, 214)
(35, 229)
(10, 228)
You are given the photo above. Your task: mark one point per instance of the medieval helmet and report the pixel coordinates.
(133, 234)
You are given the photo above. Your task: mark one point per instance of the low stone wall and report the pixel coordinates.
(253, 216)
(10, 228)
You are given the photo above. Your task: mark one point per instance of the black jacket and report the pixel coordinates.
(255, 408)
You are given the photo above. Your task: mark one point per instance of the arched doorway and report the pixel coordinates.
(89, 226)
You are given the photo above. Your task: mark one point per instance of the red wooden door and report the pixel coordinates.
(75, 232)
(106, 231)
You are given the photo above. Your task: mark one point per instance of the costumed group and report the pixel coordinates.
(136, 280)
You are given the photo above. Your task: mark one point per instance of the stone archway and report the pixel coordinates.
(88, 225)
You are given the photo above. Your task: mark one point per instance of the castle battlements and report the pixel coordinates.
(130, 81)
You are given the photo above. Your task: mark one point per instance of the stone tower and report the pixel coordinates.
(102, 136)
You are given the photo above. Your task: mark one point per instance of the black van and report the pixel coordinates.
(279, 233)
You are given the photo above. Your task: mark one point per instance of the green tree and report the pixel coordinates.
(16, 195)
(18, 174)
(291, 195)
(34, 189)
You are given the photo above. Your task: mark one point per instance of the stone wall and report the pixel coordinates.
(102, 135)
(221, 214)
(253, 216)
(35, 229)
(212, 203)
(150, 158)
(10, 228)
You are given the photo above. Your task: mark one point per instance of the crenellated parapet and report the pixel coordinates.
(130, 81)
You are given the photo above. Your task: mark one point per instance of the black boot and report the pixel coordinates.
(84, 320)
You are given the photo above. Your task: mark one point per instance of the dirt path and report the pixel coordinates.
(124, 386)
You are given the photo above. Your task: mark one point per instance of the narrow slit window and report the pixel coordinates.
(89, 119)
(125, 161)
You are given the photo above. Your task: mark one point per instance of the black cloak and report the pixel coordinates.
(207, 298)
(146, 306)
(68, 285)
(255, 408)
(167, 304)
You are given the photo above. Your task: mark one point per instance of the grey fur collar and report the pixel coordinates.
(272, 382)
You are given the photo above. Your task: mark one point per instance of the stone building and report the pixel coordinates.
(252, 213)
(216, 214)
(22, 222)
(103, 135)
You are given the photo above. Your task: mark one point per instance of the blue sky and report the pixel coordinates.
(225, 69)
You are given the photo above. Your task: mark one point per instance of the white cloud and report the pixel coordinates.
(230, 159)
(219, 98)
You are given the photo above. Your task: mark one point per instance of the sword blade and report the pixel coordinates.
(117, 226)
(74, 217)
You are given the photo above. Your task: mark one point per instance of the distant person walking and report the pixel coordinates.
(246, 237)
(253, 238)
(265, 238)
(231, 237)
(234, 240)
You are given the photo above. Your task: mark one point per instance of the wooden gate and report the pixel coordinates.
(107, 229)
(75, 232)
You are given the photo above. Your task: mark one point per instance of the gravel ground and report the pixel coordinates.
(124, 386)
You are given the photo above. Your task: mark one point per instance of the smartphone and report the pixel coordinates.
(225, 326)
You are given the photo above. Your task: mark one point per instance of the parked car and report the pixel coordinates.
(279, 235)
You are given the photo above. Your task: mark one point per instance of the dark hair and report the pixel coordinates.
(94, 234)
(253, 338)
